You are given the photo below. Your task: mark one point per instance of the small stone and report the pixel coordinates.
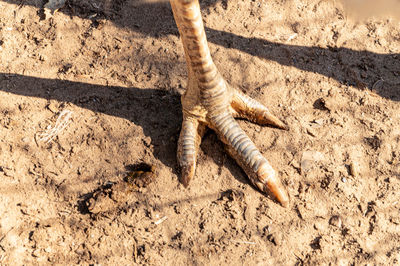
(344, 179)
(8, 171)
(336, 221)
(319, 121)
(395, 220)
(320, 225)
(275, 238)
(37, 253)
(311, 132)
(53, 107)
(147, 141)
(327, 103)
(382, 42)
(354, 169)
(316, 243)
(295, 164)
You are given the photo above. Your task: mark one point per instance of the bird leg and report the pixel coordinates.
(209, 101)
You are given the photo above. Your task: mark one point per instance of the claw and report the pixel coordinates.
(268, 118)
(272, 185)
(187, 172)
(188, 146)
(278, 191)
(246, 154)
(254, 111)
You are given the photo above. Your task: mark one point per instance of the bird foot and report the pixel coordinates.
(214, 104)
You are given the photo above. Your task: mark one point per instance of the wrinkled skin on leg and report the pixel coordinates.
(209, 101)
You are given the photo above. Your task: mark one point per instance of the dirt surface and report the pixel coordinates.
(108, 74)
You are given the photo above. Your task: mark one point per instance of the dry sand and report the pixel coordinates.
(114, 70)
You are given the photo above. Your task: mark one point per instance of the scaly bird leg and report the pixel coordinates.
(210, 101)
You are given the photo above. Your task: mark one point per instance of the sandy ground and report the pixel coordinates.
(113, 71)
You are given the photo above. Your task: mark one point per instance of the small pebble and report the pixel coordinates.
(336, 221)
(53, 107)
(275, 238)
(311, 132)
(147, 141)
(354, 169)
(37, 253)
(320, 225)
(319, 121)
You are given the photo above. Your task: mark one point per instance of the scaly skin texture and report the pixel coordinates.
(209, 101)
